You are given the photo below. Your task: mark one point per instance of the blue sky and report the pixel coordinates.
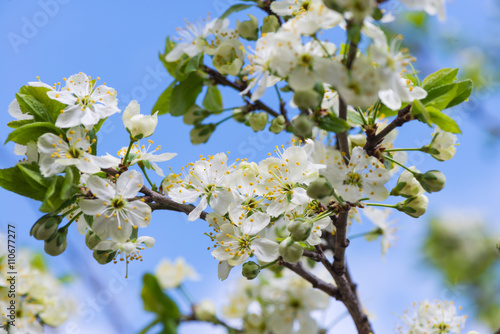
(120, 41)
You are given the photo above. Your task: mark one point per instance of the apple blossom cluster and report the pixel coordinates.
(40, 298)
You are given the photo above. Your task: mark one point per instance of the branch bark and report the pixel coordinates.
(317, 283)
(373, 139)
(220, 79)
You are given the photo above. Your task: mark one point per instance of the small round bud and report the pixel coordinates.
(258, 121)
(407, 185)
(432, 181)
(319, 188)
(201, 133)
(239, 116)
(250, 270)
(56, 245)
(302, 126)
(205, 311)
(46, 227)
(414, 207)
(271, 24)
(248, 30)
(307, 99)
(91, 239)
(290, 250)
(299, 230)
(103, 257)
(277, 124)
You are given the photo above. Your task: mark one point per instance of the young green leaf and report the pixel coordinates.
(185, 93)
(233, 9)
(442, 120)
(213, 100)
(155, 300)
(439, 78)
(163, 103)
(333, 123)
(31, 132)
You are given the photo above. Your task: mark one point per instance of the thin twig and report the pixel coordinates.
(316, 282)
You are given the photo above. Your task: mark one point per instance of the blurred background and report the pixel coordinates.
(120, 42)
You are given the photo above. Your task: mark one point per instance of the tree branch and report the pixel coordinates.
(498, 331)
(373, 139)
(222, 80)
(165, 203)
(317, 283)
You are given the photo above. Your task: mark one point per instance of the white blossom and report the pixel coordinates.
(172, 274)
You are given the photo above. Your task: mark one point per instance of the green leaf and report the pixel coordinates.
(99, 124)
(19, 123)
(155, 300)
(354, 117)
(463, 92)
(163, 102)
(70, 184)
(213, 100)
(233, 9)
(442, 120)
(449, 95)
(14, 180)
(31, 132)
(33, 176)
(53, 107)
(52, 200)
(185, 93)
(190, 64)
(30, 105)
(439, 78)
(419, 111)
(333, 123)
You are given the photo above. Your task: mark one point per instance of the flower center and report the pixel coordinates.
(354, 178)
(85, 101)
(118, 203)
(75, 152)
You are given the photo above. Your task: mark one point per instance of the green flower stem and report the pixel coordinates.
(269, 264)
(403, 149)
(399, 164)
(132, 141)
(153, 186)
(381, 205)
(227, 118)
(151, 325)
(359, 235)
(72, 220)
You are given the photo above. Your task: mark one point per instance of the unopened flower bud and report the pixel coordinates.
(271, 24)
(201, 133)
(414, 207)
(239, 116)
(299, 230)
(319, 188)
(250, 270)
(432, 181)
(46, 227)
(139, 126)
(442, 146)
(103, 257)
(258, 121)
(307, 99)
(277, 124)
(229, 57)
(290, 250)
(248, 30)
(205, 311)
(407, 185)
(91, 239)
(56, 245)
(302, 126)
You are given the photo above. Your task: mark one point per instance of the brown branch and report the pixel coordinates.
(222, 80)
(316, 282)
(165, 203)
(498, 331)
(373, 139)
